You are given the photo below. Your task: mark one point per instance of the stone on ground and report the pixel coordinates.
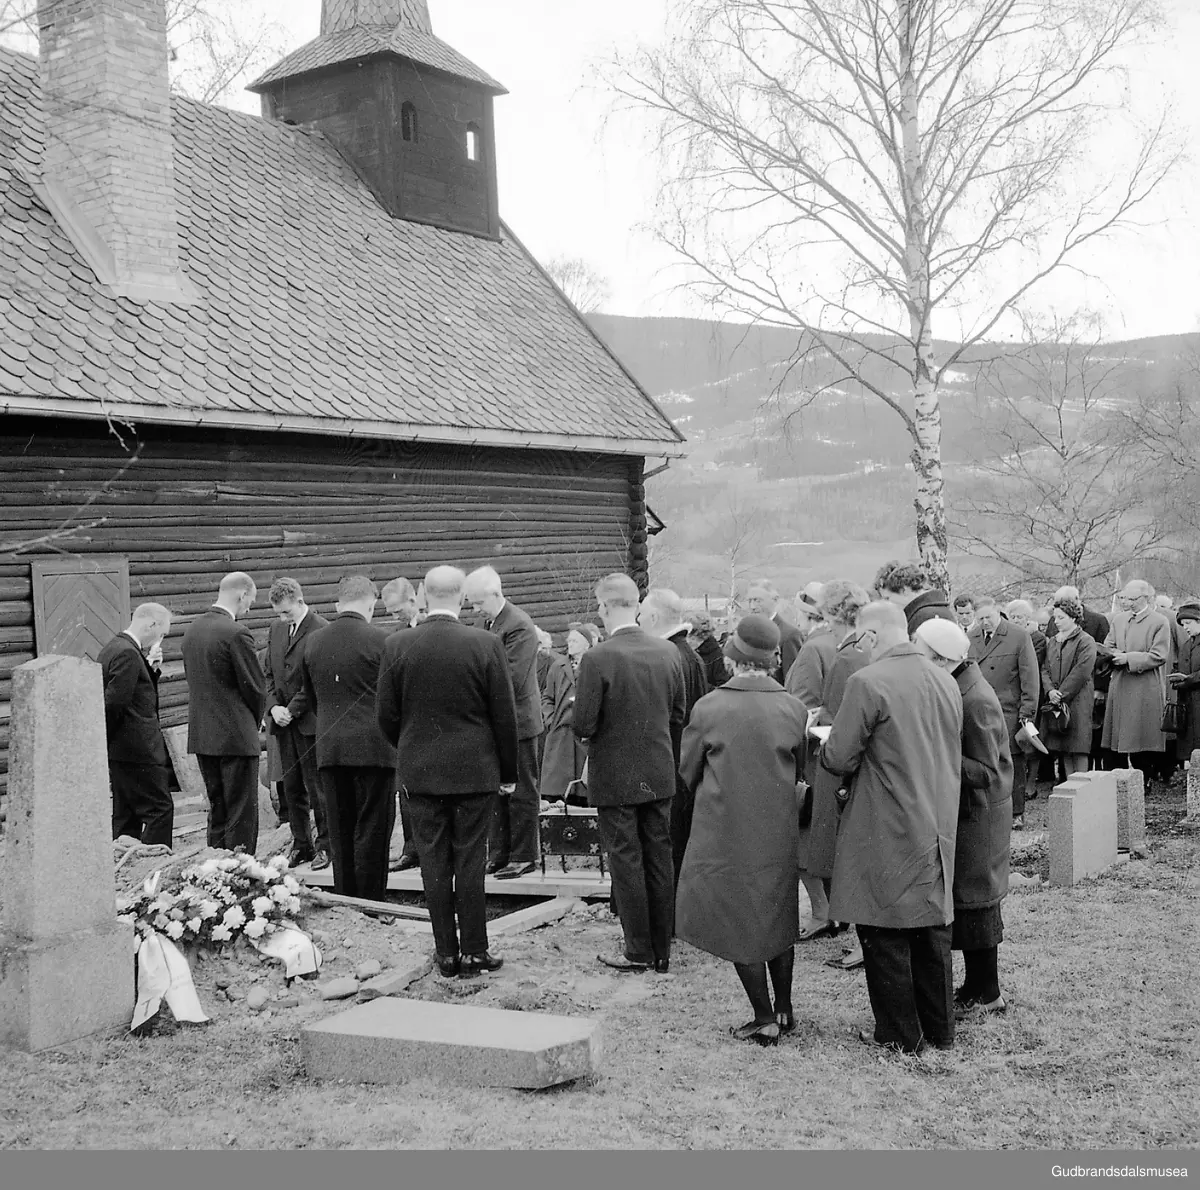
(66, 963)
(392, 1040)
(257, 998)
(1131, 810)
(395, 980)
(186, 766)
(368, 969)
(338, 989)
(1083, 827)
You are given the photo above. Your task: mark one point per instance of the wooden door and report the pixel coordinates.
(79, 604)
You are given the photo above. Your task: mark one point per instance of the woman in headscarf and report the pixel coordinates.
(1068, 680)
(742, 755)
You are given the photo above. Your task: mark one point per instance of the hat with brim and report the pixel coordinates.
(945, 639)
(1189, 611)
(755, 639)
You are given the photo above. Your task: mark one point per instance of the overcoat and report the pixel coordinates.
(1009, 663)
(712, 657)
(818, 843)
(629, 700)
(226, 688)
(1188, 695)
(898, 737)
(1070, 668)
(738, 892)
(562, 760)
(791, 641)
(806, 681)
(1133, 714)
(981, 851)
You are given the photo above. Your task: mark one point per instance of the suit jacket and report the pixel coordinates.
(898, 737)
(629, 705)
(446, 701)
(284, 672)
(226, 688)
(985, 802)
(516, 632)
(1010, 665)
(130, 704)
(341, 672)
(791, 640)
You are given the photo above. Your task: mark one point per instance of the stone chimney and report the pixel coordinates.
(338, 15)
(108, 168)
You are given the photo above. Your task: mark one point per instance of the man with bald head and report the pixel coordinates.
(897, 743)
(629, 705)
(137, 753)
(514, 845)
(445, 701)
(1138, 645)
(227, 696)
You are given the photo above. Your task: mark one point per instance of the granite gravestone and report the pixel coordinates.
(66, 963)
(1083, 827)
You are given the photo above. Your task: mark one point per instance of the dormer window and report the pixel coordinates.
(408, 121)
(474, 143)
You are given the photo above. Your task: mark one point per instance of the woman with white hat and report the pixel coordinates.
(981, 852)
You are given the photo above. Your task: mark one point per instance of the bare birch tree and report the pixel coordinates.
(1058, 489)
(587, 288)
(737, 537)
(852, 168)
(215, 44)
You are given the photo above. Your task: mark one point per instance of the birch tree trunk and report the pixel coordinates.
(929, 502)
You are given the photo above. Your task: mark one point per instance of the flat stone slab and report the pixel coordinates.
(392, 1040)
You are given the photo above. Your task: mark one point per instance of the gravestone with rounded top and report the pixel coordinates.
(1083, 827)
(66, 963)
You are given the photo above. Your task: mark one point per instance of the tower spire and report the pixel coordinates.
(340, 15)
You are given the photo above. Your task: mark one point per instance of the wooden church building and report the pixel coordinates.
(300, 344)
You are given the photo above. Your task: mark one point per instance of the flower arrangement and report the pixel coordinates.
(217, 901)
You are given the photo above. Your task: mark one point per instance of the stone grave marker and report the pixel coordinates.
(1193, 786)
(66, 963)
(1083, 827)
(1131, 810)
(187, 768)
(393, 1040)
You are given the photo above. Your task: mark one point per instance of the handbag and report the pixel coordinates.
(1058, 718)
(1174, 718)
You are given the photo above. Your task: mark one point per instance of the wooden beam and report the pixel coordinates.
(413, 912)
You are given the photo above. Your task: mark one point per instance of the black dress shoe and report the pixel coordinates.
(620, 962)
(662, 966)
(448, 966)
(320, 860)
(476, 964)
(403, 863)
(514, 870)
(298, 856)
(494, 866)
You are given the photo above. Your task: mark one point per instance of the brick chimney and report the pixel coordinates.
(337, 15)
(108, 168)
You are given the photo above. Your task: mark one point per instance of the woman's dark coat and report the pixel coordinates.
(818, 843)
(743, 751)
(1070, 668)
(563, 757)
(1188, 662)
(981, 851)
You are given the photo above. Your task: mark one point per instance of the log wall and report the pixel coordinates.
(188, 506)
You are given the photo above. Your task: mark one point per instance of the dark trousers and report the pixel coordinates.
(302, 790)
(360, 809)
(142, 804)
(513, 837)
(1020, 763)
(638, 842)
(910, 980)
(232, 786)
(682, 806)
(406, 826)
(451, 837)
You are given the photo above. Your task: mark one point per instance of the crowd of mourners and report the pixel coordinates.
(875, 747)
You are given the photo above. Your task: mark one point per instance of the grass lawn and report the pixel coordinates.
(1100, 1047)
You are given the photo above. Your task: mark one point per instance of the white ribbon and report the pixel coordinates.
(297, 950)
(163, 973)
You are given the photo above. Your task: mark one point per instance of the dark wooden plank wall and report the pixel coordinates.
(187, 506)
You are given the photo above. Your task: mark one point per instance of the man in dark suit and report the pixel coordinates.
(137, 753)
(357, 764)
(764, 600)
(446, 702)
(226, 699)
(629, 703)
(400, 603)
(514, 847)
(291, 720)
(661, 615)
(1006, 658)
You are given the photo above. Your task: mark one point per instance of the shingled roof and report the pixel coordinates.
(317, 312)
(422, 48)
